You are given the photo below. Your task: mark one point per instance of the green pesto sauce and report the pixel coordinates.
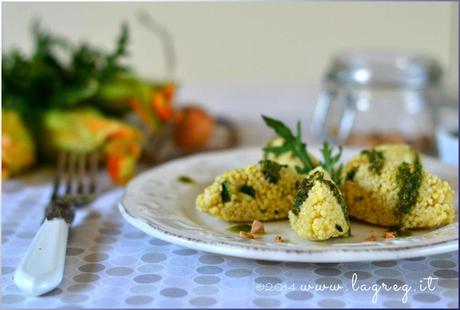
(338, 196)
(185, 179)
(225, 192)
(248, 190)
(409, 178)
(296, 185)
(271, 170)
(376, 160)
(403, 233)
(351, 174)
(240, 227)
(302, 193)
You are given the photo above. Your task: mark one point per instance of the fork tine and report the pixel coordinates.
(70, 171)
(93, 173)
(81, 174)
(58, 174)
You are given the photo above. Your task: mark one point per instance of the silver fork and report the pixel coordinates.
(75, 185)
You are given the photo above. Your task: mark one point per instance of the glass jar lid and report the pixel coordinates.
(384, 69)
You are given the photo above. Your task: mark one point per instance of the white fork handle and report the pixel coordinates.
(42, 268)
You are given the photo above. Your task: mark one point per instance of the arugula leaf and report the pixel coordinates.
(295, 145)
(277, 150)
(330, 161)
(291, 144)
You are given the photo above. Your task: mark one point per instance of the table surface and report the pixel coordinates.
(110, 264)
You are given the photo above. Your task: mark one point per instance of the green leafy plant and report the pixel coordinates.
(299, 149)
(291, 143)
(331, 164)
(58, 74)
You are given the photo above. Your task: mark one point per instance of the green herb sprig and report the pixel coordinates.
(330, 162)
(291, 143)
(295, 145)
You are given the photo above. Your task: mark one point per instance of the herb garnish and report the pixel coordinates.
(303, 190)
(351, 174)
(337, 194)
(185, 179)
(330, 161)
(376, 160)
(248, 190)
(295, 145)
(409, 178)
(271, 170)
(240, 227)
(225, 193)
(291, 143)
(308, 183)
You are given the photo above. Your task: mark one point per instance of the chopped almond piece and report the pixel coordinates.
(372, 238)
(247, 235)
(257, 227)
(278, 238)
(389, 235)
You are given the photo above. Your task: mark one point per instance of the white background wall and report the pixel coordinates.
(266, 42)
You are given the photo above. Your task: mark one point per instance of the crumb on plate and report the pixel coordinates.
(257, 227)
(247, 235)
(371, 238)
(390, 235)
(278, 238)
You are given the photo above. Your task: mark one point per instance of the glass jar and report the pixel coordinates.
(375, 97)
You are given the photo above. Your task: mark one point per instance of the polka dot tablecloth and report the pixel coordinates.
(110, 264)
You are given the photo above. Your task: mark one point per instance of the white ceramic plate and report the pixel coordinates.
(158, 204)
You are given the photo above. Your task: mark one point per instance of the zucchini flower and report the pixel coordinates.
(85, 130)
(18, 148)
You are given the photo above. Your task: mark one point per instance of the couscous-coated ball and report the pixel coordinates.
(388, 186)
(264, 191)
(319, 211)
